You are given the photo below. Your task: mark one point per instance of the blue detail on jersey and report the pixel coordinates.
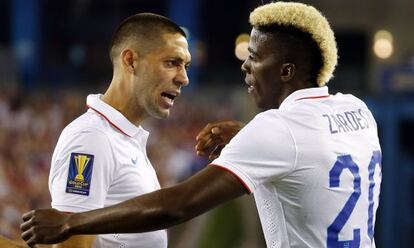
(80, 173)
(344, 162)
(333, 131)
(349, 121)
(375, 160)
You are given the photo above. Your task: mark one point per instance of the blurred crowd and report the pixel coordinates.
(31, 124)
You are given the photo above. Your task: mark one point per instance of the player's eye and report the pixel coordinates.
(171, 63)
(187, 67)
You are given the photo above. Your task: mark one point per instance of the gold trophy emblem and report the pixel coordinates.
(81, 163)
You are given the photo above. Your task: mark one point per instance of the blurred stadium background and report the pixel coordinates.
(54, 53)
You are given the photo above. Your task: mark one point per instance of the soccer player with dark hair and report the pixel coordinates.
(311, 159)
(100, 158)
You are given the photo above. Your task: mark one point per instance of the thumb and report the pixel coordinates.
(215, 130)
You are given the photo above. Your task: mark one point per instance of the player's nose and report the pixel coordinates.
(182, 78)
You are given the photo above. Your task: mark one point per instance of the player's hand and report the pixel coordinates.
(44, 226)
(214, 136)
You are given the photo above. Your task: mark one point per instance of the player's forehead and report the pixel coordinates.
(261, 42)
(175, 45)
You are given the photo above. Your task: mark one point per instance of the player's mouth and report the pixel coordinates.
(250, 85)
(168, 98)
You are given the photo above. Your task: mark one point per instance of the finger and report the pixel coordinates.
(217, 149)
(200, 145)
(32, 241)
(215, 130)
(216, 152)
(28, 215)
(210, 144)
(205, 131)
(201, 149)
(202, 136)
(204, 141)
(26, 235)
(212, 156)
(200, 153)
(26, 225)
(204, 150)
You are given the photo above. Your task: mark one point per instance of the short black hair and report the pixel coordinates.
(146, 28)
(299, 46)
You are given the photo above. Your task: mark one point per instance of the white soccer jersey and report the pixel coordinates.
(314, 167)
(100, 160)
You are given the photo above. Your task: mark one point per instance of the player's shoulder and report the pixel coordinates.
(349, 98)
(88, 124)
(272, 119)
(267, 116)
(82, 135)
(309, 107)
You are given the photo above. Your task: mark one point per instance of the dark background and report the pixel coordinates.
(50, 49)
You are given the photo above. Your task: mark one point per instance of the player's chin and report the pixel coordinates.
(161, 109)
(161, 113)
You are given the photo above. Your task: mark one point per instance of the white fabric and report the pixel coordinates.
(121, 169)
(284, 157)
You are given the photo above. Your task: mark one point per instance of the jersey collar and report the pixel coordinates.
(303, 94)
(113, 116)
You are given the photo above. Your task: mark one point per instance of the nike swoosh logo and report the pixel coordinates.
(134, 161)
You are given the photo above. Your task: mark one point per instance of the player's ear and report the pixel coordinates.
(287, 72)
(128, 59)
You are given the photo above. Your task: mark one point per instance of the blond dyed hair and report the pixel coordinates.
(307, 19)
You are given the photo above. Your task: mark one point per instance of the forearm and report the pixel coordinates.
(143, 214)
(161, 209)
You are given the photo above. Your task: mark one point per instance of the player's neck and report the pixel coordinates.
(290, 88)
(121, 99)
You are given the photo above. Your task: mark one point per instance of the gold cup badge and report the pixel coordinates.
(81, 162)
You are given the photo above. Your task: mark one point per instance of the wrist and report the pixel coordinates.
(70, 224)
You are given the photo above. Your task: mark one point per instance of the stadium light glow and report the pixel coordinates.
(383, 44)
(242, 43)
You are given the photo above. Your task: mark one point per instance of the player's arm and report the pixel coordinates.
(214, 136)
(158, 210)
(74, 147)
(78, 241)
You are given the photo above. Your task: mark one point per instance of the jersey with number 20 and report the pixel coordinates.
(314, 168)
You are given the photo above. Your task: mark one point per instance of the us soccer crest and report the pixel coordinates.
(80, 173)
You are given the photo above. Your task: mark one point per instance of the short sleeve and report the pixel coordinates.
(263, 151)
(81, 171)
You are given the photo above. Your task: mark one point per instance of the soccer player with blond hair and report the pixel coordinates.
(311, 159)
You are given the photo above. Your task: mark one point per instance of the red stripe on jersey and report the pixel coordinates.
(312, 97)
(234, 174)
(110, 122)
